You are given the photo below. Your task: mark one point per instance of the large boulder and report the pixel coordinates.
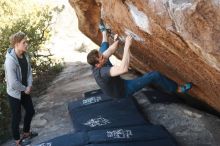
(181, 39)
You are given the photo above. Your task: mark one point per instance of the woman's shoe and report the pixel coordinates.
(23, 142)
(31, 135)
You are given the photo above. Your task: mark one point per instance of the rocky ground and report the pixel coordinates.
(189, 126)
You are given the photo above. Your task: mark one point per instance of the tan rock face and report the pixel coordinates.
(179, 38)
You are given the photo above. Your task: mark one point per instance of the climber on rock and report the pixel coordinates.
(108, 77)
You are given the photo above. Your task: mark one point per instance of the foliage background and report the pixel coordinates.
(35, 20)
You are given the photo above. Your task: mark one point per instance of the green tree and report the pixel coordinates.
(35, 20)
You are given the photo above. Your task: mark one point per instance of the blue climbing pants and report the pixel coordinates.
(151, 78)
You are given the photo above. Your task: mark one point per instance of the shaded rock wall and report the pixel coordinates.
(180, 38)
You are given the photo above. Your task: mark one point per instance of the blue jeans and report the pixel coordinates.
(151, 78)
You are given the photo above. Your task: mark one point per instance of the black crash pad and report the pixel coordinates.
(112, 113)
(93, 93)
(129, 133)
(72, 139)
(90, 98)
(160, 142)
(157, 96)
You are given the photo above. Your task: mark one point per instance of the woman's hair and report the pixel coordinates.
(16, 38)
(92, 57)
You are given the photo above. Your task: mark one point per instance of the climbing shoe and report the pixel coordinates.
(186, 87)
(102, 26)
